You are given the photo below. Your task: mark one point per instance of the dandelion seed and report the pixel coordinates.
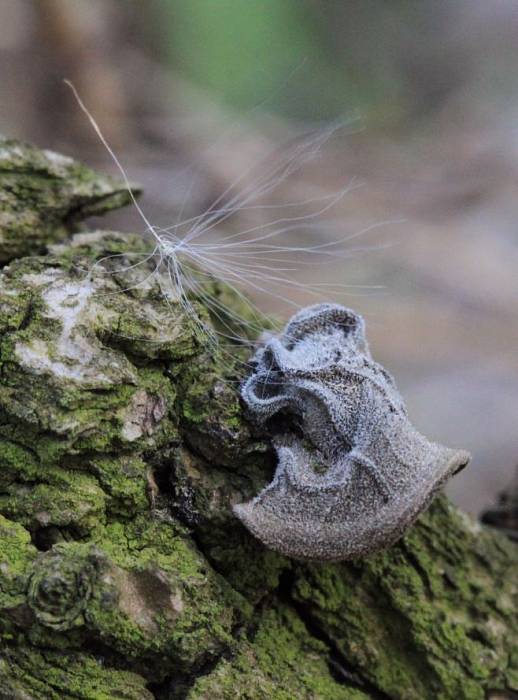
(186, 259)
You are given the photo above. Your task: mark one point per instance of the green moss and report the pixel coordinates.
(16, 557)
(27, 673)
(411, 627)
(17, 463)
(142, 591)
(43, 195)
(72, 500)
(249, 567)
(282, 662)
(211, 414)
(99, 403)
(124, 481)
(13, 311)
(169, 602)
(16, 553)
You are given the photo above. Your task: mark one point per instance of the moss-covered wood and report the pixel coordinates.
(123, 573)
(43, 195)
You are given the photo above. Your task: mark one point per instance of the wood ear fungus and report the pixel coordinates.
(353, 473)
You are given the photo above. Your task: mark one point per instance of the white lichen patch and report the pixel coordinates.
(58, 159)
(85, 238)
(12, 151)
(74, 353)
(7, 218)
(143, 415)
(471, 525)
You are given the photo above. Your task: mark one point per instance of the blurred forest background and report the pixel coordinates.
(192, 93)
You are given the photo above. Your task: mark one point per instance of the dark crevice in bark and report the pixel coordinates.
(339, 667)
(28, 316)
(76, 213)
(44, 538)
(177, 686)
(145, 666)
(33, 173)
(499, 694)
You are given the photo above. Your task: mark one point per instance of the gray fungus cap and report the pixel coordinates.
(353, 473)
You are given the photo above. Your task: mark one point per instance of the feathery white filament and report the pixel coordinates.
(250, 260)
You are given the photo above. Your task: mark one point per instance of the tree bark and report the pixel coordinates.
(123, 445)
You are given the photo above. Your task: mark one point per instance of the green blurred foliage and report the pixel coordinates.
(278, 51)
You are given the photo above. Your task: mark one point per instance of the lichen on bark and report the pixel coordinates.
(43, 196)
(124, 445)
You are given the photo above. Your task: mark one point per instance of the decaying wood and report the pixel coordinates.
(123, 446)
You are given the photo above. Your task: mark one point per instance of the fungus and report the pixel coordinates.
(353, 473)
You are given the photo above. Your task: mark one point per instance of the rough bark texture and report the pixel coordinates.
(123, 444)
